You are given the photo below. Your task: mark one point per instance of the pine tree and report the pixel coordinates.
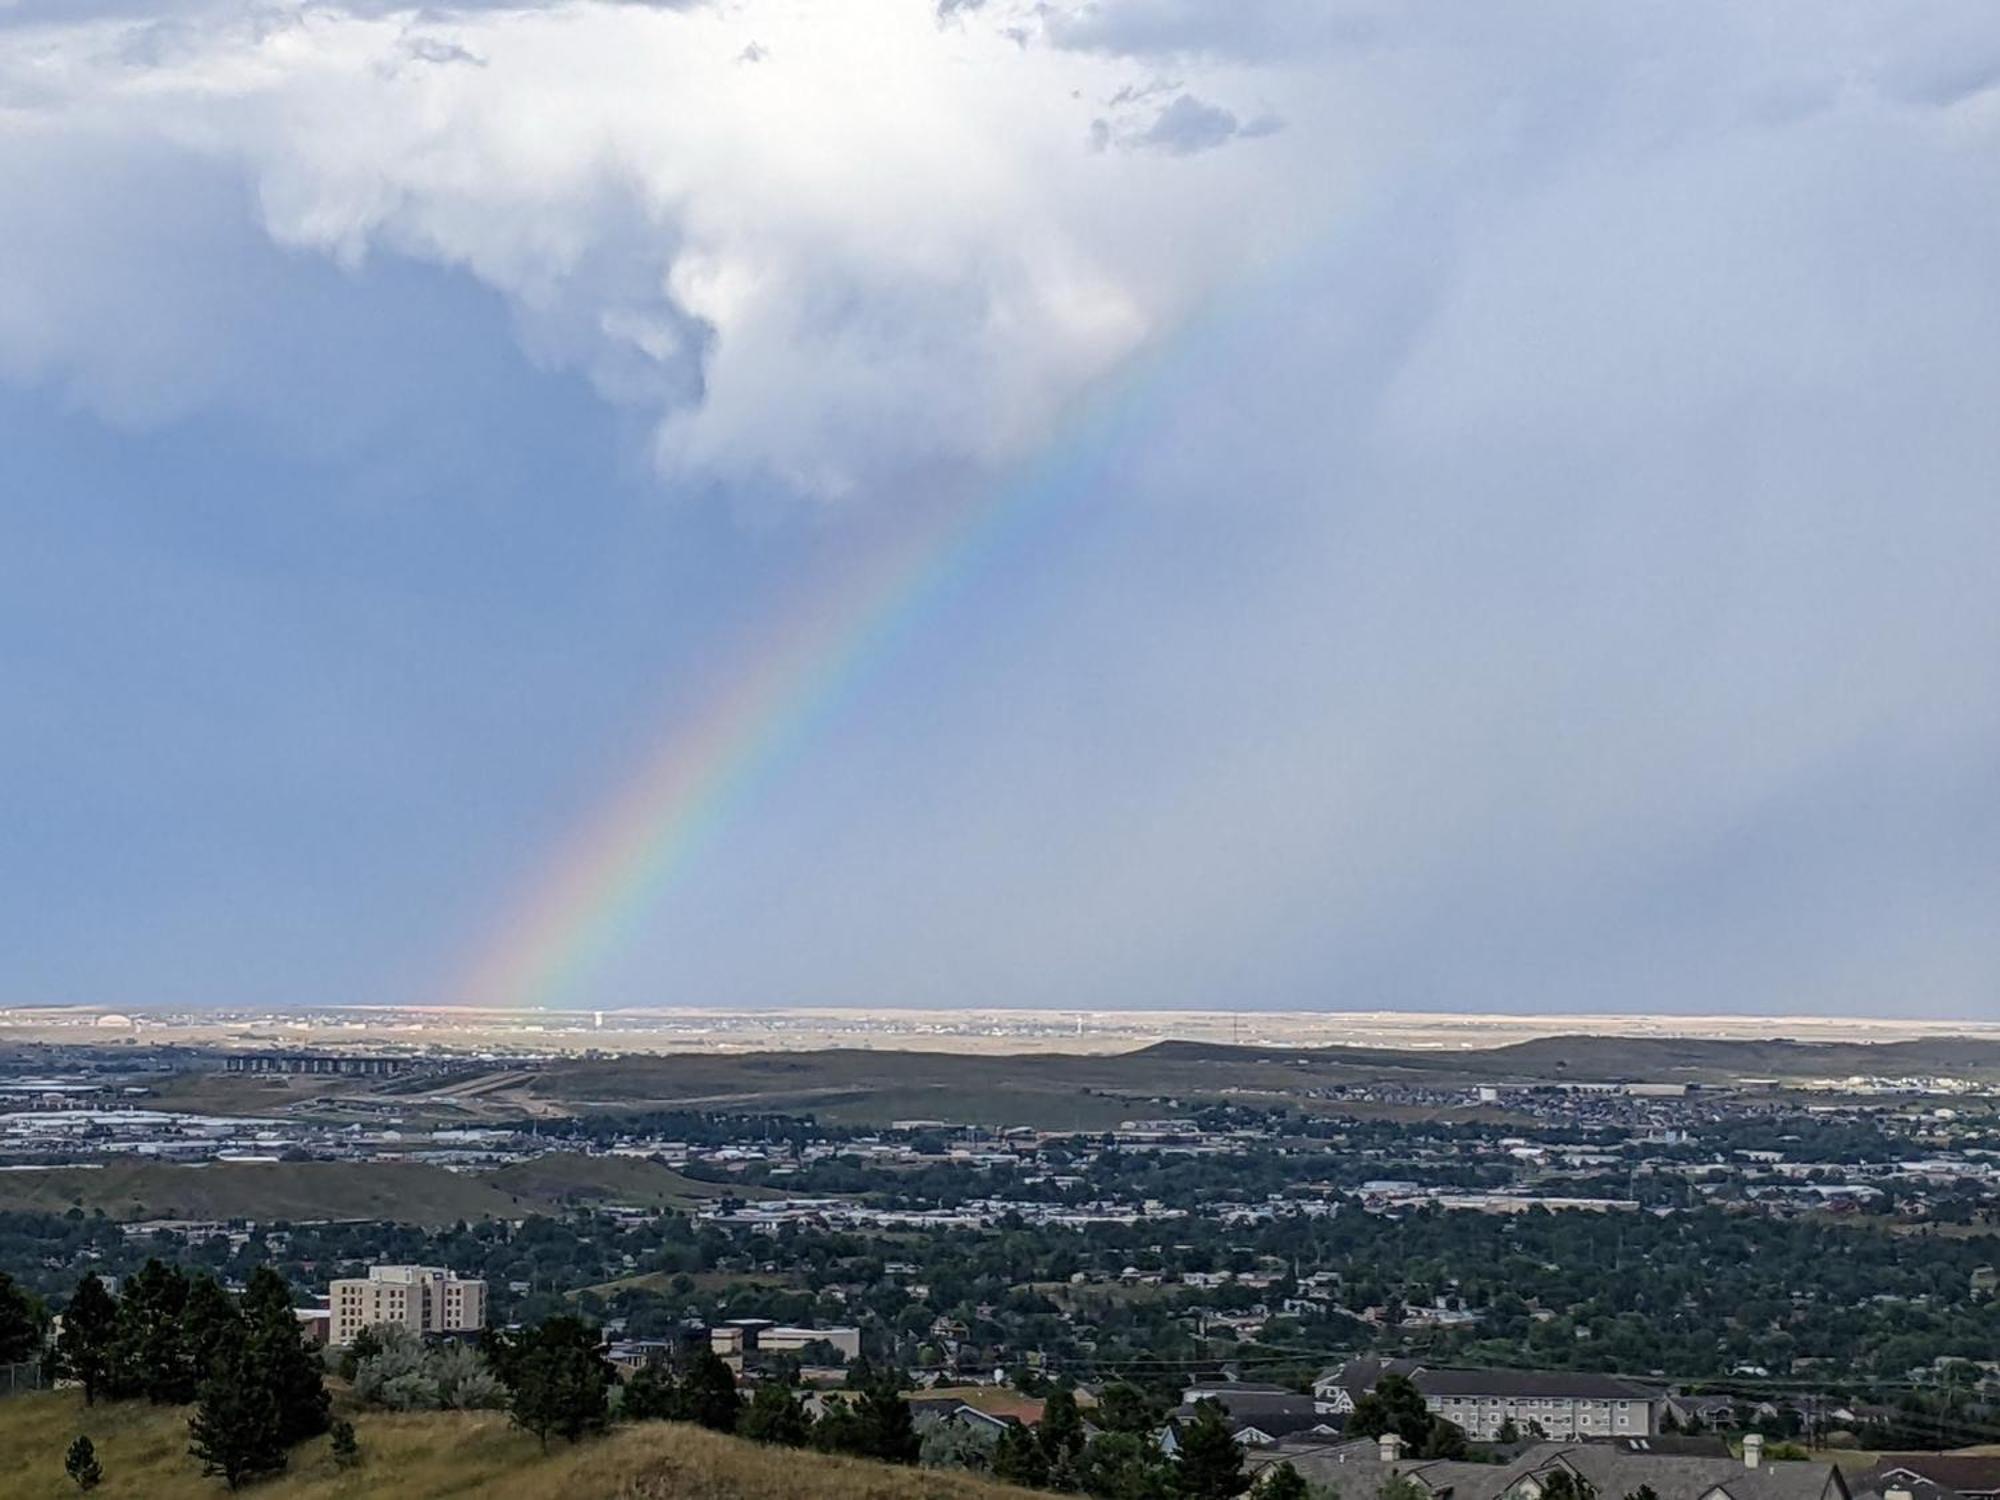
(561, 1380)
(346, 1451)
(1124, 1408)
(20, 1326)
(1019, 1459)
(367, 1344)
(886, 1428)
(288, 1366)
(152, 1357)
(84, 1348)
(650, 1395)
(707, 1393)
(1209, 1465)
(208, 1320)
(81, 1464)
(773, 1415)
(235, 1430)
(1061, 1429)
(1283, 1482)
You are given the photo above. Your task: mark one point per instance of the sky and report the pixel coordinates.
(1094, 504)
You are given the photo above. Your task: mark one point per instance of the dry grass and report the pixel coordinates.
(431, 1456)
(409, 1192)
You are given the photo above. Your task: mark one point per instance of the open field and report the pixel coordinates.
(563, 1177)
(428, 1456)
(1081, 1089)
(1087, 1091)
(407, 1192)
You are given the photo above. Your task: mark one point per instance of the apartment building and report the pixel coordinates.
(423, 1299)
(1548, 1403)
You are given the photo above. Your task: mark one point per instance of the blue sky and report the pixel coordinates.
(1543, 557)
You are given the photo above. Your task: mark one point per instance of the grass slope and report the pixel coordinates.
(1091, 1091)
(410, 1192)
(566, 1177)
(433, 1455)
(407, 1192)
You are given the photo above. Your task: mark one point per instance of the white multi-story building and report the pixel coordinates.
(423, 1299)
(1548, 1403)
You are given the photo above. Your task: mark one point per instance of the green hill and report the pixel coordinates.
(410, 1192)
(428, 1456)
(567, 1177)
(407, 1192)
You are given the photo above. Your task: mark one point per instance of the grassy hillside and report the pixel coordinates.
(408, 1191)
(433, 1455)
(1091, 1091)
(566, 1177)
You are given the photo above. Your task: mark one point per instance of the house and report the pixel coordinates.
(1612, 1470)
(1260, 1419)
(924, 1415)
(1609, 1469)
(1337, 1390)
(1227, 1390)
(1716, 1413)
(1933, 1476)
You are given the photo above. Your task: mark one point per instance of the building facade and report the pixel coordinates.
(423, 1299)
(1559, 1404)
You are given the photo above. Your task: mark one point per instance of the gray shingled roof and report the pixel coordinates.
(1580, 1385)
(1356, 1470)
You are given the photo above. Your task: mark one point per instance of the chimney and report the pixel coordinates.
(1898, 1493)
(1753, 1449)
(1391, 1446)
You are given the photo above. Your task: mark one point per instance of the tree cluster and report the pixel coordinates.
(170, 1338)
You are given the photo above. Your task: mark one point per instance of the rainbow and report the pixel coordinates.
(638, 843)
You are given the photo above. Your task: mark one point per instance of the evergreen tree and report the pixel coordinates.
(81, 1464)
(235, 1430)
(152, 1358)
(885, 1421)
(649, 1396)
(1125, 1466)
(20, 1326)
(1061, 1429)
(839, 1430)
(561, 1380)
(346, 1451)
(208, 1320)
(1209, 1465)
(1018, 1458)
(366, 1345)
(1443, 1440)
(707, 1393)
(288, 1366)
(773, 1415)
(1563, 1485)
(1283, 1482)
(1125, 1408)
(1395, 1405)
(85, 1347)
